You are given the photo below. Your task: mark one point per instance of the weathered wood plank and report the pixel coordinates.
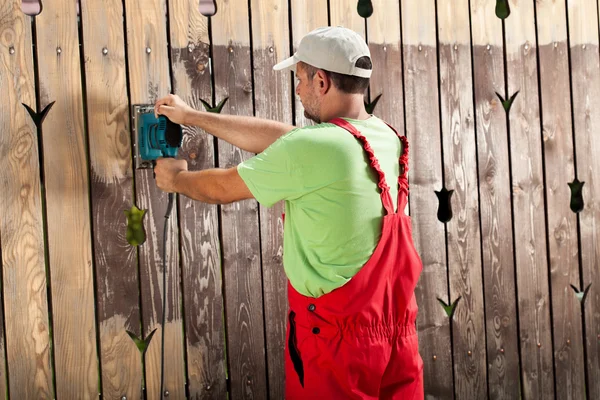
(557, 132)
(306, 16)
(148, 80)
(528, 204)
(343, 13)
(273, 100)
(240, 229)
(495, 206)
(67, 196)
(25, 302)
(460, 171)
(425, 176)
(3, 371)
(112, 192)
(200, 247)
(585, 78)
(383, 32)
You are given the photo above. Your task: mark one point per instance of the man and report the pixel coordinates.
(348, 249)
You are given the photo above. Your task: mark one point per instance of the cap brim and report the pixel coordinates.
(288, 63)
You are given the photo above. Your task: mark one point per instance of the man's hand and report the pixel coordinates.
(173, 108)
(166, 171)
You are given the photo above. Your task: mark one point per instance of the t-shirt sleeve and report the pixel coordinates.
(273, 175)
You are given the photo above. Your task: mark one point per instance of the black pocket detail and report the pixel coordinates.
(293, 349)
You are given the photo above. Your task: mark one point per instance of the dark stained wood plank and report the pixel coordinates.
(200, 247)
(460, 171)
(24, 304)
(306, 16)
(273, 100)
(112, 192)
(537, 374)
(585, 78)
(68, 205)
(425, 176)
(149, 80)
(240, 229)
(495, 206)
(557, 132)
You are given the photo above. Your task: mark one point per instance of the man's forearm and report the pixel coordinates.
(247, 133)
(214, 186)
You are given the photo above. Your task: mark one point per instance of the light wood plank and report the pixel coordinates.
(306, 16)
(112, 192)
(557, 131)
(425, 176)
(200, 247)
(343, 13)
(495, 203)
(273, 100)
(67, 196)
(460, 171)
(585, 77)
(240, 229)
(149, 80)
(25, 304)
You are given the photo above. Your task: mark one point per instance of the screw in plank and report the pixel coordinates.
(230, 48)
(11, 50)
(568, 341)
(207, 387)
(583, 47)
(124, 398)
(539, 345)
(148, 50)
(488, 47)
(384, 48)
(420, 48)
(470, 353)
(555, 44)
(58, 51)
(105, 51)
(271, 49)
(167, 393)
(502, 351)
(434, 357)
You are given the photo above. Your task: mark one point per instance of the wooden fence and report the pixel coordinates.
(502, 113)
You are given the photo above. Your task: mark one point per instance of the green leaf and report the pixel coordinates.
(370, 107)
(581, 296)
(135, 235)
(507, 104)
(502, 9)
(214, 109)
(577, 203)
(142, 345)
(364, 8)
(449, 308)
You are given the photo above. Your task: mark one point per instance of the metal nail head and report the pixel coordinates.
(11, 50)
(105, 51)
(58, 51)
(148, 51)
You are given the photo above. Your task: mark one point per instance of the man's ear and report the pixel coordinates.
(322, 81)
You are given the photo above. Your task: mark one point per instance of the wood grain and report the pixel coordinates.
(149, 80)
(68, 202)
(200, 245)
(585, 78)
(537, 374)
(112, 192)
(273, 100)
(306, 16)
(460, 171)
(425, 176)
(557, 132)
(343, 13)
(495, 203)
(25, 304)
(240, 228)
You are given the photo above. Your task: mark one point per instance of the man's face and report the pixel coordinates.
(308, 95)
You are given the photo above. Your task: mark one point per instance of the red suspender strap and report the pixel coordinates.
(386, 198)
(403, 178)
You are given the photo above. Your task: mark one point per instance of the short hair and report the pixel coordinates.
(346, 83)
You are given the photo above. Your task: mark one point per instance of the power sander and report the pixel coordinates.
(156, 138)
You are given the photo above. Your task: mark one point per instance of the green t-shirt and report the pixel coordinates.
(333, 208)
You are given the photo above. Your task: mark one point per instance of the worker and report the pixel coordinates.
(349, 256)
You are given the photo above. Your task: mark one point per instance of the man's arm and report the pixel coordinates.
(214, 186)
(247, 133)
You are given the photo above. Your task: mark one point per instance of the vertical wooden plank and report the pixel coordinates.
(557, 132)
(148, 80)
(343, 13)
(112, 192)
(21, 220)
(425, 176)
(460, 171)
(67, 196)
(306, 16)
(200, 247)
(273, 100)
(241, 241)
(495, 211)
(528, 204)
(383, 32)
(3, 371)
(585, 78)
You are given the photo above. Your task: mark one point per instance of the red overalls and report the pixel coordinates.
(360, 341)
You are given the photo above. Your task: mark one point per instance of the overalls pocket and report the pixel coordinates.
(293, 349)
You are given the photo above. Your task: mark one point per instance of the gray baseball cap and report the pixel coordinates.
(334, 49)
